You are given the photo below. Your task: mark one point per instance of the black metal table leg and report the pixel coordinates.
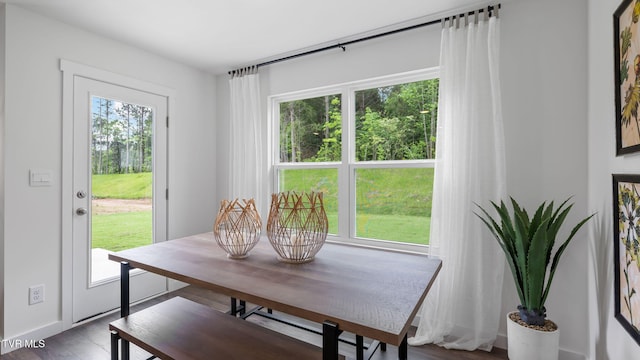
(403, 349)
(330, 334)
(114, 345)
(124, 302)
(359, 347)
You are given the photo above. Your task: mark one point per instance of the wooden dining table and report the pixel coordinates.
(372, 293)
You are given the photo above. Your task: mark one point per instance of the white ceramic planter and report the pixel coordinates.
(524, 343)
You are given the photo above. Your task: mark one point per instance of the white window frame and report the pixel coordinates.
(348, 166)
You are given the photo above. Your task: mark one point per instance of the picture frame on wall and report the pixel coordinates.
(626, 237)
(626, 23)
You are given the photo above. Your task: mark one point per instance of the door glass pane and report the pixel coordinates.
(121, 181)
(317, 180)
(394, 204)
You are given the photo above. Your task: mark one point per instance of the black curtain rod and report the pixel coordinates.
(375, 36)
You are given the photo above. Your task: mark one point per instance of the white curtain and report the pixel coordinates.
(462, 310)
(246, 152)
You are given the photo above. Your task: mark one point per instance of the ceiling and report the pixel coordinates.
(220, 35)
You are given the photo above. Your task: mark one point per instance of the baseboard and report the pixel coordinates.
(33, 339)
(501, 343)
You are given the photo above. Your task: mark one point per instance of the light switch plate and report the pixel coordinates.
(40, 177)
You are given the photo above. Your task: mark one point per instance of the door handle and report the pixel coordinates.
(81, 211)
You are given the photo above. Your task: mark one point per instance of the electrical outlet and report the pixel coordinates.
(36, 294)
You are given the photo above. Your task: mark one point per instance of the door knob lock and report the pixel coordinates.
(81, 211)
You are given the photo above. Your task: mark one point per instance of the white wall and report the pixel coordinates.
(32, 139)
(2, 152)
(544, 67)
(608, 339)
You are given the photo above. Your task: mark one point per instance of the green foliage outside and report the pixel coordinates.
(395, 122)
(122, 231)
(392, 204)
(391, 123)
(121, 137)
(122, 186)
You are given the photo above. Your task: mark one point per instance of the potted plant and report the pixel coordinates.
(528, 244)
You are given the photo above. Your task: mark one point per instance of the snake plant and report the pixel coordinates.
(528, 245)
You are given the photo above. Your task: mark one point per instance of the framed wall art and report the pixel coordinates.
(627, 76)
(626, 237)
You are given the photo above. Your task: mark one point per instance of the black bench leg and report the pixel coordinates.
(330, 333)
(243, 307)
(238, 309)
(403, 349)
(234, 308)
(124, 302)
(114, 345)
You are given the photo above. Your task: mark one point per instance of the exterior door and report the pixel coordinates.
(119, 190)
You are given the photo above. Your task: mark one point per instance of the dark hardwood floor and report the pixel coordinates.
(91, 340)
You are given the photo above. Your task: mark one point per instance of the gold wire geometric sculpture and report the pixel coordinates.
(237, 227)
(297, 226)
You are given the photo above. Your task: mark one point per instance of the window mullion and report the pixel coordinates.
(344, 172)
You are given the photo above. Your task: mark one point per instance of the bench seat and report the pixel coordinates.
(182, 329)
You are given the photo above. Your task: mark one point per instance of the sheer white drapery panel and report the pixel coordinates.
(462, 310)
(246, 167)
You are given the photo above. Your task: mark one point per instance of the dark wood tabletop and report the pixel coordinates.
(369, 292)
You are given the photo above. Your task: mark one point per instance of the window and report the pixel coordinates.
(369, 148)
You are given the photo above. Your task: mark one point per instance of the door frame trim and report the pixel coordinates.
(69, 70)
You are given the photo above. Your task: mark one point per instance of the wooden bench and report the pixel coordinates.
(182, 329)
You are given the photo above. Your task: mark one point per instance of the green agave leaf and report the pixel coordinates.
(564, 203)
(521, 245)
(503, 238)
(538, 217)
(537, 266)
(554, 227)
(505, 218)
(508, 230)
(548, 212)
(556, 257)
(509, 252)
(520, 214)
